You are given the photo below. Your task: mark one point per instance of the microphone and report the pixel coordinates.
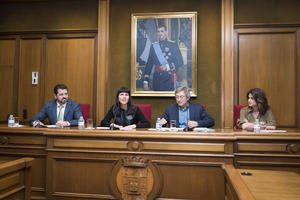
(38, 125)
(188, 129)
(24, 113)
(112, 127)
(187, 121)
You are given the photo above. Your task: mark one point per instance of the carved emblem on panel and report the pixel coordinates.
(293, 148)
(135, 178)
(3, 140)
(135, 145)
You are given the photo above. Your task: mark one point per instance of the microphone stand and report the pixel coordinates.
(187, 121)
(112, 126)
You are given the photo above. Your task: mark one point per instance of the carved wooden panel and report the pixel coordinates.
(292, 147)
(15, 179)
(134, 178)
(71, 175)
(105, 164)
(14, 146)
(172, 146)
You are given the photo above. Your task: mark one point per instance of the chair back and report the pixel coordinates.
(85, 110)
(236, 113)
(146, 110)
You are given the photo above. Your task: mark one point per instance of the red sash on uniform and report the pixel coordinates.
(173, 73)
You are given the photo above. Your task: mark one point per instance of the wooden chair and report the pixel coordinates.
(85, 110)
(236, 113)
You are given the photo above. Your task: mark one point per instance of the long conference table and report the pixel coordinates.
(145, 164)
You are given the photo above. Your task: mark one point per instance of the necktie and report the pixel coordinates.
(60, 116)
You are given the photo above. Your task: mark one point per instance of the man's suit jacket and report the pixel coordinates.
(72, 113)
(196, 113)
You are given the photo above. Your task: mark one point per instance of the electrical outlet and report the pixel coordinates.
(35, 76)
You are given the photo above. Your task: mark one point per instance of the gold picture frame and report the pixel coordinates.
(163, 53)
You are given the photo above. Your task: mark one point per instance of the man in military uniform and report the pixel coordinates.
(166, 58)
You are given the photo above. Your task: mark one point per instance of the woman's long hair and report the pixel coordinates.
(120, 90)
(260, 99)
(117, 106)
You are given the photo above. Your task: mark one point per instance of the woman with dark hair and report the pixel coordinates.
(125, 114)
(258, 108)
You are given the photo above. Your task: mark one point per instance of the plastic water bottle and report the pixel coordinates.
(11, 121)
(158, 124)
(256, 126)
(80, 123)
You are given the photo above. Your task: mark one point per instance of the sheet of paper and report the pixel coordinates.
(166, 129)
(102, 128)
(203, 129)
(51, 126)
(272, 131)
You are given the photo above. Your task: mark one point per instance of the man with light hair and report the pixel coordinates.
(187, 114)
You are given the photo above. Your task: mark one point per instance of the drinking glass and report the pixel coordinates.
(173, 124)
(89, 123)
(263, 125)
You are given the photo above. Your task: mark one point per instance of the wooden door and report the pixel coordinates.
(266, 58)
(8, 77)
(71, 61)
(30, 98)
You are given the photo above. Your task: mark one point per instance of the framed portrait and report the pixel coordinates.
(163, 53)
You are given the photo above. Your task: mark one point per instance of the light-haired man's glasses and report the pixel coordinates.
(180, 97)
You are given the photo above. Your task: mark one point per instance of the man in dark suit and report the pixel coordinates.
(187, 114)
(61, 111)
(165, 57)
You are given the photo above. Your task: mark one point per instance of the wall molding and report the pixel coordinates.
(227, 64)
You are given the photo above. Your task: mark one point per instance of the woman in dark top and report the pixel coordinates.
(125, 114)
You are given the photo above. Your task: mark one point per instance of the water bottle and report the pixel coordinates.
(11, 121)
(80, 123)
(158, 124)
(256, 126)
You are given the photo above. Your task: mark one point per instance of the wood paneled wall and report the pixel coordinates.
(58, 58)
(7, 76)
(227, 68)
(60, 16)
(51, 15)
(31, 57)
(208, 51)
(267, 58)
(35, 32)
(71, 60)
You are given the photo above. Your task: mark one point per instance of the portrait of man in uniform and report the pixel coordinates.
(165, 56)
(164, 47)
